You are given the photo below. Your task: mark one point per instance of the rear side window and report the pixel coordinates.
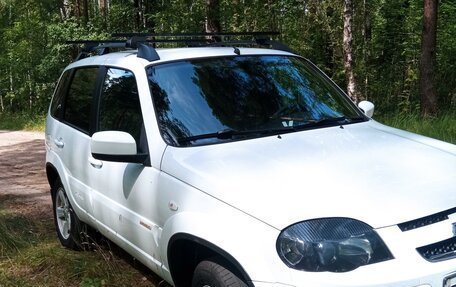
(120, 109)
(78, 103)
(59, 96)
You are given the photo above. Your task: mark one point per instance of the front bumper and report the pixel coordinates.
(396, 279)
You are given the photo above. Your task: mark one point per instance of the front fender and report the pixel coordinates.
(247, 240)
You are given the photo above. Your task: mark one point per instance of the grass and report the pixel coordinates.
(442, 127)
(30, 255)
(22, 121)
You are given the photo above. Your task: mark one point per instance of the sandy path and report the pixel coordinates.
(23, 183)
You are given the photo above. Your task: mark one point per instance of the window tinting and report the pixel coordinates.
(244, 94)
(119, 107)
(59, 95)
(79, 100)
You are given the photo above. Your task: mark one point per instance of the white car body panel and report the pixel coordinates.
(366, 171)
(71, 165)
(205, 217)
(355, 172)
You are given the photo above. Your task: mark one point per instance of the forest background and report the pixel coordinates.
(383, 37)
(385, 43)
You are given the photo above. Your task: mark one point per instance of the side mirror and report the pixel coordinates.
(115, 146)
(367, 107)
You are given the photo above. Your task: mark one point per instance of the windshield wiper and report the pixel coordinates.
(222, 134)
(356, 119)
(226, 134)
(321, 123)
(230, 134)
(324, 122)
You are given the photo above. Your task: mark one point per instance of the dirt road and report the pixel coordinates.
(25, 200)
(23, 183)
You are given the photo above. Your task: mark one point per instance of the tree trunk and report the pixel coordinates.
(65, 9)
(10, 60)
(78, 9)
(29, 85)
(103, 7)
(428, 93)
(212, 16)
(139, 11)
(11, 83)
(85, 11)
(348, 51)
(150, 7)
(367, 34)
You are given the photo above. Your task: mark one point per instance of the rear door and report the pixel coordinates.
(73, 109)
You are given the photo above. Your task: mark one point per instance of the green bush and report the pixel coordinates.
(22, 121)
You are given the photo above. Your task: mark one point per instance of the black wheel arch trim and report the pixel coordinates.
(214, 248)
(51, 177)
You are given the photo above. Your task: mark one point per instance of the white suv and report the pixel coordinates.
(232, 166)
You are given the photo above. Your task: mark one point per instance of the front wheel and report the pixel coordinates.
(209, 273)
(69, 228)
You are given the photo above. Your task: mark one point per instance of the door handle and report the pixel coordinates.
(59, 142)
(95, 162)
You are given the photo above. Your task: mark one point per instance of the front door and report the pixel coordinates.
(123, 194)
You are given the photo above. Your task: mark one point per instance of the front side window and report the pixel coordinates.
(120, 108)
(213, 100)
(78, 104)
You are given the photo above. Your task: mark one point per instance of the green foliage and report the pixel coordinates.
(387, 37)
(22, 121)
(446, 54)
(179, 16)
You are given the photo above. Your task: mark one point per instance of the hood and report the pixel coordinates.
(366, 171)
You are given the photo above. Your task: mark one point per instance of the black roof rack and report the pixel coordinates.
(146, 42)
(103, 47)
(232, 34)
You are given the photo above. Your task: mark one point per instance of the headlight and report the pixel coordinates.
(331, 244)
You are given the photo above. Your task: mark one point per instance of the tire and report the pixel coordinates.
(70, 230)
(210, 273)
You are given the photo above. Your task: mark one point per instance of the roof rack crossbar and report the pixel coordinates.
(145, 42)
(230, 44)
(271, 33)
(262, 42)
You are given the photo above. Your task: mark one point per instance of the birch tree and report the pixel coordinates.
(348, 51)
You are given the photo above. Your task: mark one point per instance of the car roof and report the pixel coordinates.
(128, 59)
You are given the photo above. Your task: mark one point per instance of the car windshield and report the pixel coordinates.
(211, 100)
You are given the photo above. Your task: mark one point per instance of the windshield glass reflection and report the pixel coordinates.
(242, 93)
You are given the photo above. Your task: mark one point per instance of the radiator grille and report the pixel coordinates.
(439, 251)
(427, 220)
